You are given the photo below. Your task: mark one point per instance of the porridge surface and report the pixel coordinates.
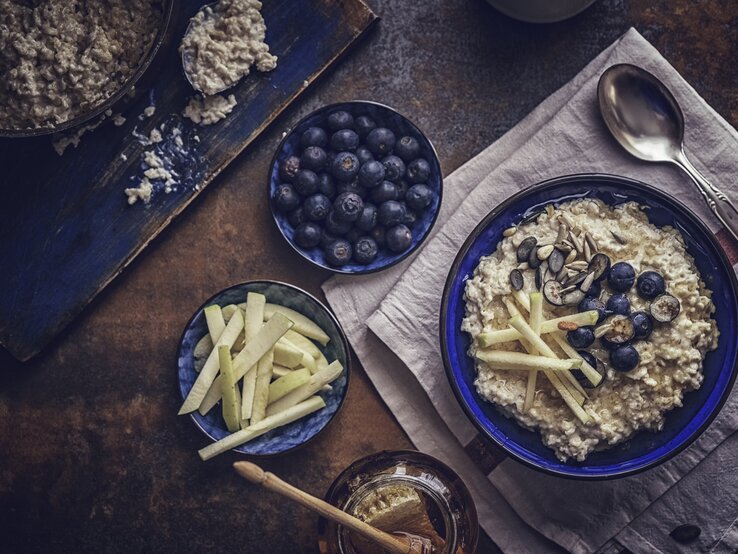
(59, 58)
(670, 359)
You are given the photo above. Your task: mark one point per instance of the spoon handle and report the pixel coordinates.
(720, 204)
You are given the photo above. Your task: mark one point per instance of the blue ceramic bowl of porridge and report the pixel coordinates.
(289, 437)
(383, 116)
(645, 449)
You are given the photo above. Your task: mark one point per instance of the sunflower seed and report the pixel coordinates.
(565, 248)
(510, 231)
(587, 251)
(578, 265)
(573, 298)
(618, 237)
(576, 242)
(545, 251)
(571, 256)
(565, 217)
(591, 241)
(556, 260)
(550, 210)
(563, 231)
(587, 283)
(561, 275)
(575, 279)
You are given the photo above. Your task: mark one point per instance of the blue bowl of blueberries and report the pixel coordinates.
(355, 187)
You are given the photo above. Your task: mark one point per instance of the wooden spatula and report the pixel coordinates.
(396, 544)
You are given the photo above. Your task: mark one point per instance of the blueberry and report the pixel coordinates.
(386, 190)
(596, 365)
(380, 141)
(314, 136)
(643, 325)
(348, 206)
(365, 250)
(402, 188)
(371, 174)
(624, 358)
(394, 167)
(419, 197)
(286, 198)
(338, 253)
(618, 331)
(317, 207)
(306, 182)
(364, 125)
(340, 120)
(296, 217)
(288, 168)
(411, 218)
(364, 154)
(622, 277)
(595, 290)
(326, 238)
(345, 139)
(618, 304)
(326, 185)
(391, 213)
(379, 235)
(582, 337)
(313, 157)
(408, 148)
(345, 166)
(353, 235)
(368, 218)
(307, 235)
(352, 186)
(336, 227)
(399, 238)
(650, 284)
(418, 171)
(590, 303)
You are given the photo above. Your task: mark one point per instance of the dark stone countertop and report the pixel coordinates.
(94, 457)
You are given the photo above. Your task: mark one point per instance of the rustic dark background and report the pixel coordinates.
(93, 456)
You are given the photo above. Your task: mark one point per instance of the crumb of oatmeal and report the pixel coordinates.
(118, 120)
(209, 109)
(149, 111)
(142, 192)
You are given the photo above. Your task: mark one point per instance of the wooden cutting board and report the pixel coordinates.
(66, 229)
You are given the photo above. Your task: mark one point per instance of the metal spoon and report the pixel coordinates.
(645, 118)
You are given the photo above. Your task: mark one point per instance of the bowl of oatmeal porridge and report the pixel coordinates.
(64, 63)
(588, 326)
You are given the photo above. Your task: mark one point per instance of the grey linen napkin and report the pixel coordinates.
(563, 135)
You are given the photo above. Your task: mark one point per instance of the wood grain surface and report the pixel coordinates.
(94, 458)
(66, 226)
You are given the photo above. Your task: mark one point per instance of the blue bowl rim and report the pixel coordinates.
(334, 106)
(331, 316)
(549, 184)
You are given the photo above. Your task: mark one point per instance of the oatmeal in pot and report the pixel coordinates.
(60, 58)
(588, 324)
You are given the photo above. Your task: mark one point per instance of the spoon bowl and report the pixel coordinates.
(645, 118)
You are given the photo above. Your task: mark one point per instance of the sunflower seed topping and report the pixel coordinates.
(545, 251)
(510, 231)
(618, 237)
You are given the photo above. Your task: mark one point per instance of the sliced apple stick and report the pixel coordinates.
(316, 383)
(522, 298)
(303, 325)
(210, 369)
(280, 370)
(215, 322)
(321, 362)
(263, 342)
(524, 329)
(288, 383)
(254, 320)
(231, 403)
(309, 362)
(287, 354)
(513, 310)
(502, 359)
(267, 424)
(549, 326)
(303, 343)
(536, 316)
(589, 372)
(228, 311)
(261, 391)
